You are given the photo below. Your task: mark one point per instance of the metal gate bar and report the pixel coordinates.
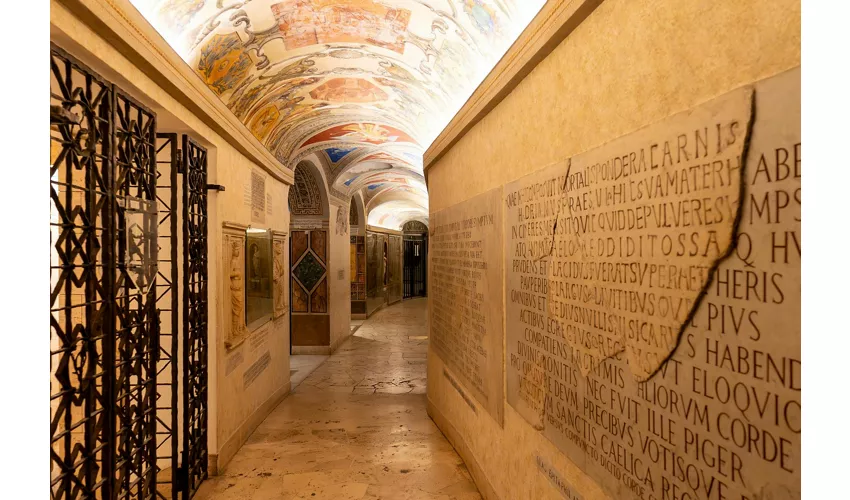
(167, 296)
(136, 320)
(195, 314)
(104, 318)
(81, 291)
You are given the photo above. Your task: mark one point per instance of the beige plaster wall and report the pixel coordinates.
(233, 411)
(339, 276)
(631, 63)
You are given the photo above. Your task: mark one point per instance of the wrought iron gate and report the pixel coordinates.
(415, 262)
(104, 338)
(167, 297)
(115, 350)
(195, 314)
(81, 295)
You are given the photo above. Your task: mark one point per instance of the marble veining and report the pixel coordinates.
(355, 428)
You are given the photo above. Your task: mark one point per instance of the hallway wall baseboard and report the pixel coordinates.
(321, 350)
(339, 342)
(312, 350)
(228, 450)
(484, 487)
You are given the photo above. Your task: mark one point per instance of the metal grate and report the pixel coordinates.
(415, 266)
(82, 290)
(195, 314)
(113, 388)
(167, 295)
(136, 321)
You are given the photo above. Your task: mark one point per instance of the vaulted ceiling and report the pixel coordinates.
(363, 86)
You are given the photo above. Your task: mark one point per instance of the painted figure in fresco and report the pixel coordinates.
(237, 292)
(264, 121)
(341, 222)
(223, 63)
(310, 22)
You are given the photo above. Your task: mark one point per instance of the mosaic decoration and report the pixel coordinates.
(318, 243)
(365, 84)
(309, 283)
(309, 271)
(304, 196)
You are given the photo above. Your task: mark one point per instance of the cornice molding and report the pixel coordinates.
(555, 21)
(236, 226)
(384, 230)
(120, 24)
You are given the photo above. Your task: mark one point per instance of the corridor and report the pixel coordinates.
(354, 428)
(251, 200)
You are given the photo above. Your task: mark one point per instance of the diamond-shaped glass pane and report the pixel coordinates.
(309, 271)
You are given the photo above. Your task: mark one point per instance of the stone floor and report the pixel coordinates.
(356, 427)
(302, 365)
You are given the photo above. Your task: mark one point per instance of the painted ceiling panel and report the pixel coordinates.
(362, 82)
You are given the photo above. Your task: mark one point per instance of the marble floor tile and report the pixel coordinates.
(355, 427)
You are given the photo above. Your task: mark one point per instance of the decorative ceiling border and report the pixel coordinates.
(555, 21)
(122, 26)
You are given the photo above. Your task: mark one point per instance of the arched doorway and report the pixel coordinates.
(415, 259)
(308, 258)
(356, 223)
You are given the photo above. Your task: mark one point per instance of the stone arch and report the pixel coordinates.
(415, 226)
(308, 196)
(357, 214)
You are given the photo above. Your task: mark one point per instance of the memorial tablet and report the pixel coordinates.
(653, 302)
(465, 309)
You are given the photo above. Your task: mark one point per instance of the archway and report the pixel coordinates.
(357, 228)
(415, 259)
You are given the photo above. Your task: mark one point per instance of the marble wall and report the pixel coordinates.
(651, 315)
(339, 276)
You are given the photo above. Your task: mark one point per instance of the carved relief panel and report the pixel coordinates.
(279, 259)
(234, 279)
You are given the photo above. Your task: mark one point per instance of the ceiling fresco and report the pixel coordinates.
(365, 84)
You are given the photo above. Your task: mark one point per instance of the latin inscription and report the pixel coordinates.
(653, 302)
(466, 265)
(256, 369)
(554, 477)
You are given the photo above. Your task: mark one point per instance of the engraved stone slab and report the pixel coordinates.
(465, 310)
(653, 302)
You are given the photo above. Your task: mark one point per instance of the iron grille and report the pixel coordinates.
(82, 291)
(167, 295)
(136, 319)
(415, 266)
(107, 288)
(195, 314)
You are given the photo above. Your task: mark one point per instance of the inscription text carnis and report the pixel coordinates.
(652, 302)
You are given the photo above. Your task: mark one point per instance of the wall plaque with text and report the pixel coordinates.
(653, 302)
(466, 306)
